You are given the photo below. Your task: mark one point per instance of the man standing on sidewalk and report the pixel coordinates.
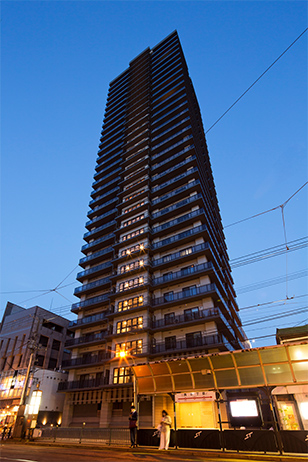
(133, 426)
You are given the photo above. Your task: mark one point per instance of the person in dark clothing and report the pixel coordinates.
(133, 426)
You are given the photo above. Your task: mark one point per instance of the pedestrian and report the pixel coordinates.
(9, 432)
(133, 417)
(165, 431)
(4, 432)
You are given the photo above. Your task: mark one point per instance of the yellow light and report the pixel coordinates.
(141, 247)
(128, 252)
(122, 354)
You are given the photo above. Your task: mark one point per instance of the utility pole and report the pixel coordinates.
(20, 424)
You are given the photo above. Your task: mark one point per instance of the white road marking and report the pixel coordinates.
(18, 460)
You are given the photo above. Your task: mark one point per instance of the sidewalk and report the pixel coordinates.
(178, 453)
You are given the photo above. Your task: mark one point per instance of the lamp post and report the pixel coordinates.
(124, 355)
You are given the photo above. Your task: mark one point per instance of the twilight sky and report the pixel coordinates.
(58, 58)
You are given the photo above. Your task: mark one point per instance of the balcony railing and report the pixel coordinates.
(177, 205)
(106, 168)
(180, 345)
(95, 255)
(83, 384)
(100, 228)
(97, 241)
(169, 224)
(91, 301)
(177, 178)
(178, 237)
(86, 360)
(104, 186)
(184, 272)
(100, 207)
(195, 291)
(187, 318)
(187, 148)
(178, 165)
(88, 320)
(177, 191)
(94, 269)
(175, 256)
(111, 191)
(86, 339)
(92, 285)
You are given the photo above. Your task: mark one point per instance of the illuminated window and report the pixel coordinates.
(132, 234)
(133, 220)
(122, 375)
(129, 325)
(133, 348)
(133, 207)
(131, 283)
(131, 266)
(35, 402)
(130, 303)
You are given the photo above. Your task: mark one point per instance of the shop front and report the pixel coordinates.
(240, 400)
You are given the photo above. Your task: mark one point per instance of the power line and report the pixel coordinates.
(269, 252)
(269, 210)
(272, 302)
(271, 282)
(249, 88)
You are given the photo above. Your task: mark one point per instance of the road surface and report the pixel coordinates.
(31, 452)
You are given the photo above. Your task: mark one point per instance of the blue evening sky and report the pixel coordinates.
(58, 58)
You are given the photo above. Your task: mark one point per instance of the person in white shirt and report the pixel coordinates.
(165, 424)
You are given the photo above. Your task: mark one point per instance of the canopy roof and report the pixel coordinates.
(278, 365)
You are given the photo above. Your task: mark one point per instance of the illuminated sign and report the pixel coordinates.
(193, 397)
(244, 408)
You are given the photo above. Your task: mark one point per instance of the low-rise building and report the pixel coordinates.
(32, 336)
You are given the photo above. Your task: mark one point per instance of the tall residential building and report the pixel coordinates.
(156, 279)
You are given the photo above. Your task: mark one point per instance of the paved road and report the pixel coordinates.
(34, 453)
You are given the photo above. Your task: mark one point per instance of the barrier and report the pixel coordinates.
(231, 440)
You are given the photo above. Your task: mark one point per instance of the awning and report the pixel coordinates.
(279, 365)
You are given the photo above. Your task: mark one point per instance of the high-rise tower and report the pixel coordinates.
(156, 280)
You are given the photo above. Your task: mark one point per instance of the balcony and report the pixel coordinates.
(179, 165)
(103, 178)
(194, 251)
(175, 156)
(184, 236)
(182, 275)
(91, 302)
(87, 360)
(113, 191)
(96, 255)
(177, 192)
(194, 318)
(86, 340)
(208, 290)
(202, 343)
(98, 242)
(94, 231)
(100, 284)
(83, 384)
(88, 320)
(195, 198)
(95, 269)
(188, 217)
(103, 218)
(104, 206)
(177, 179)
(105, 169)
(105, 186)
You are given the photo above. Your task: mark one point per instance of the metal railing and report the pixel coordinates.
(107, 436)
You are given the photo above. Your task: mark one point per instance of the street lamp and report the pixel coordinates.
(123, 354)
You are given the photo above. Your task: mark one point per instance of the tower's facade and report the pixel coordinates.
(156, 280)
